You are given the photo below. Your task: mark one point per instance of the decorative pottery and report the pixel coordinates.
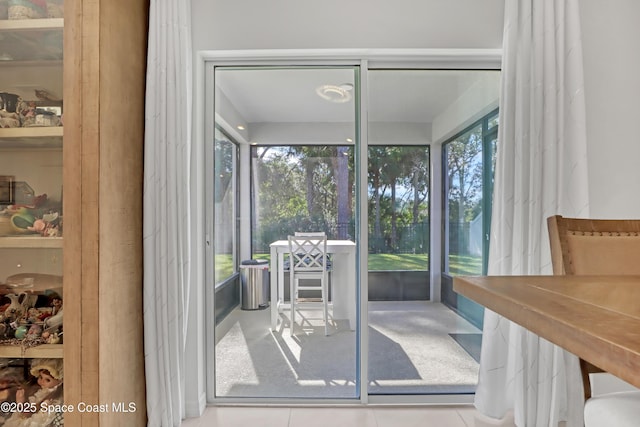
(21, 331)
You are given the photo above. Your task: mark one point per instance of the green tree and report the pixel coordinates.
(376, 163)
(464, 175)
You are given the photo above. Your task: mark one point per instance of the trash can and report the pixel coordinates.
(254, 284)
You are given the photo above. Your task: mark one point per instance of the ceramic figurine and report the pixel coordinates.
(15, 309)
(54, 321)
(28, 301)
(54, 338)
(35, 331)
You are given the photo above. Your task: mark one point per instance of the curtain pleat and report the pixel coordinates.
(541, 170)
(166, 208)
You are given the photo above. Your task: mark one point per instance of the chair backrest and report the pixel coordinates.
(594, 246)
(308, 252)
(310, 233)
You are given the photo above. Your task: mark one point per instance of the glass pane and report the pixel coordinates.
(463, 176)
(295, 129)
(398, 208)
(419, 342)
(33, 173)
(301, 188)
(225, 195)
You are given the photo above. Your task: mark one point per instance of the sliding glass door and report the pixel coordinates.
(296, 132)
(403, 200)
(418, 344)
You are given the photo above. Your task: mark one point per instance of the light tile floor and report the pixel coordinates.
(371, 416)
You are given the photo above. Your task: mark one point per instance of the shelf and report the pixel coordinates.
(31, 40)
(31, 24)
(31, 137)
(30, 242)
(44, 350)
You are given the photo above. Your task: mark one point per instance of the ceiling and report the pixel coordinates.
(259, 98)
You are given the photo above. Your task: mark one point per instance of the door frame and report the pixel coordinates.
(366, 59)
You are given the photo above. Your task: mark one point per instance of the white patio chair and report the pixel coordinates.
(308, 260)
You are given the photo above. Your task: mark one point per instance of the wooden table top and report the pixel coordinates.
(594, 317)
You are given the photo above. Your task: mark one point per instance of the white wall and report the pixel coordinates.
(612, 91)
(477, 101)
(296, 24)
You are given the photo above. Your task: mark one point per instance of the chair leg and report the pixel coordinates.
(325, 304)
(293, 290)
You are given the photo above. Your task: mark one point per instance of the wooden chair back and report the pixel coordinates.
(594, 247)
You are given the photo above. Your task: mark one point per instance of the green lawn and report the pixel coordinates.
(386, 262)
(465, 265)
(224, 266)
(458, 264)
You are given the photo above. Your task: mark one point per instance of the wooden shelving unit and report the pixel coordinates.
(44, 350)
(31, 137)
(36, 132)
(33, 25)
(30, 242)
(31, 57)
(105, 56)
(31, 40)
(103, 69)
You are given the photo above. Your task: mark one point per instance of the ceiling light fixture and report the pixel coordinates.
(240, 127)
(335, 93)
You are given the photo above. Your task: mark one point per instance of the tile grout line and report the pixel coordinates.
(375, 419)
(461, 418)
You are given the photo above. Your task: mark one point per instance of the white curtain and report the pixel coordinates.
(541, 170)
(167, 198)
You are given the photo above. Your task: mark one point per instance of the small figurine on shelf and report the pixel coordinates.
(33, 315)
(49, 374)
(21, 331)
(27, 112)
(54, 321)
(55, 338)
(38, 214)
(28, 301)
(15, 309)
(7, 328)
(56, 303)
(35, 331)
